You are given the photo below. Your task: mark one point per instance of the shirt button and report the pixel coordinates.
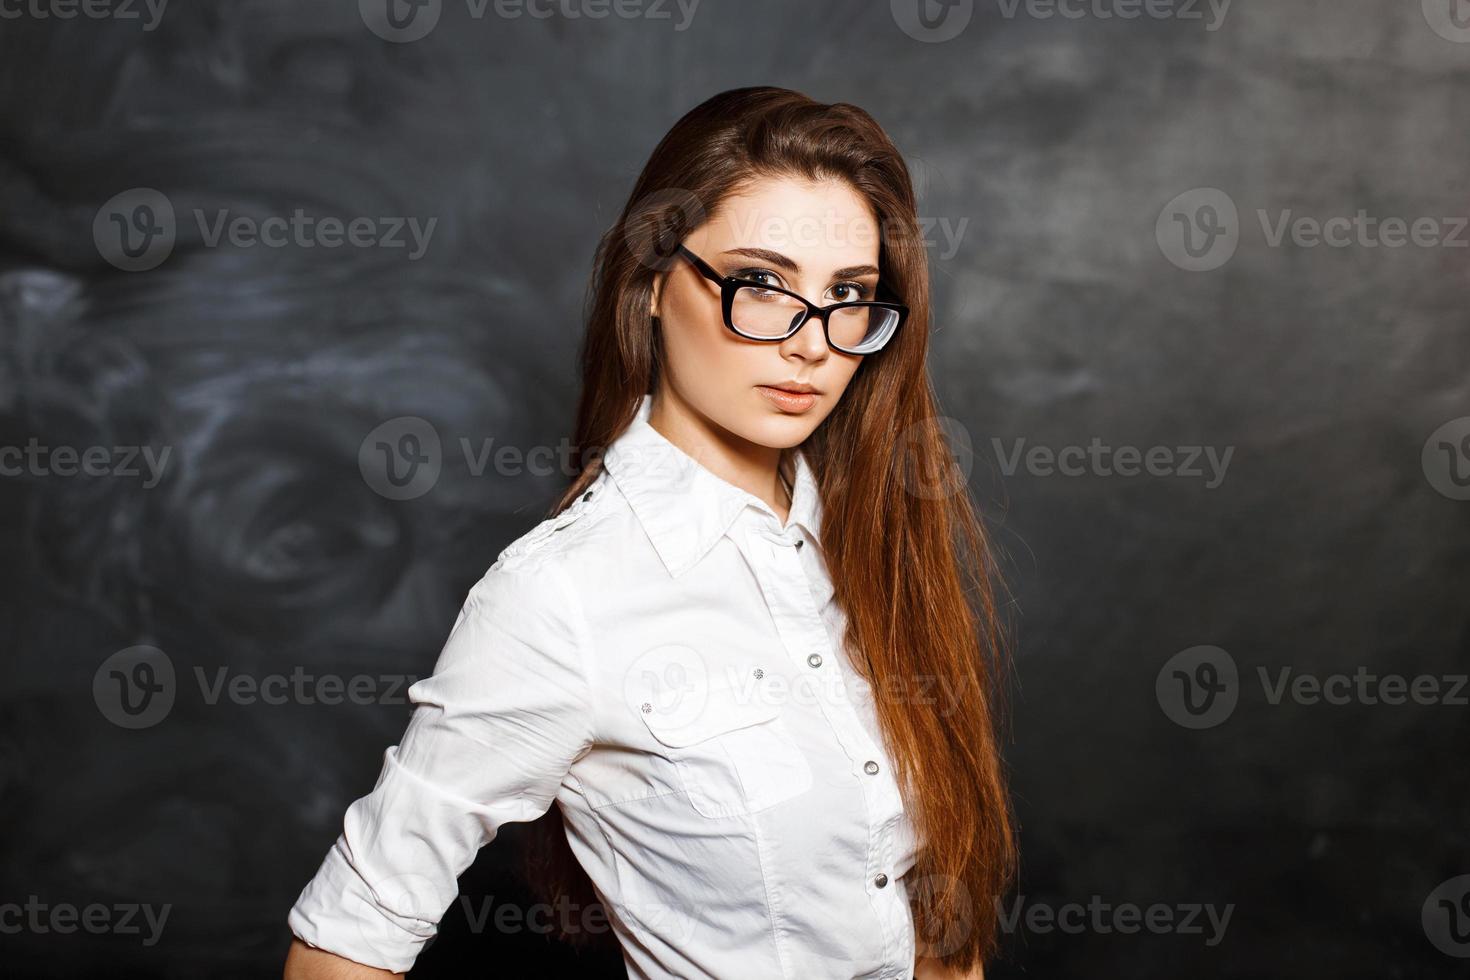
(800, 542)
(881, 881)
(870, 767)
(815, 660)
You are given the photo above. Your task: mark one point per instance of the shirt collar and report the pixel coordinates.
(685, 508)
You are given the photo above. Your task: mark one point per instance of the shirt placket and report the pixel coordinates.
(777, 560)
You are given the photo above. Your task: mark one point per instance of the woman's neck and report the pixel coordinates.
(750, 466)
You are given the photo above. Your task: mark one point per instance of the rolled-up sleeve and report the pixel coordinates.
(494, 729)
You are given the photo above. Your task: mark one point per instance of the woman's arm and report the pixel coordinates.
(305, 962)
(494, 731)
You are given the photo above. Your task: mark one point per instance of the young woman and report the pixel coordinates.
(752, 656)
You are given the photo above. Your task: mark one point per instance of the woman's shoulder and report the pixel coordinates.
(559, 565)
(575, 533)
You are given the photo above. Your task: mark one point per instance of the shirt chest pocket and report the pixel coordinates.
(733, 752)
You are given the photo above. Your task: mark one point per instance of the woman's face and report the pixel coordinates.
(816, 239)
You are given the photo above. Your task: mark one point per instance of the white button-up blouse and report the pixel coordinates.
(663, 661)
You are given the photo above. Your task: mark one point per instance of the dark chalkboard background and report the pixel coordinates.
(1060, 161)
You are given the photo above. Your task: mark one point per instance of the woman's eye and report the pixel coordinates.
(762, 276)
(849, 292)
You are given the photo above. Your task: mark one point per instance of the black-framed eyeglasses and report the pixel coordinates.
(759, 312)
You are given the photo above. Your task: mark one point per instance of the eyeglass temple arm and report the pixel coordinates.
(704, 267)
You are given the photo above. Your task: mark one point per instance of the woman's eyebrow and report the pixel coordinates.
(782, 262)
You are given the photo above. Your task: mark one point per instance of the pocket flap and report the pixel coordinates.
(708, 712)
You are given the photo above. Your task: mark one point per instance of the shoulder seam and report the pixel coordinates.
(535, 541)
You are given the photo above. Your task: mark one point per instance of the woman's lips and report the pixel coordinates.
(788, 401)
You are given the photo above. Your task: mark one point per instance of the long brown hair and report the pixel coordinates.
(910, 561)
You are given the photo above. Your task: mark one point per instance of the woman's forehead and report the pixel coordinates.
(823, 223)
